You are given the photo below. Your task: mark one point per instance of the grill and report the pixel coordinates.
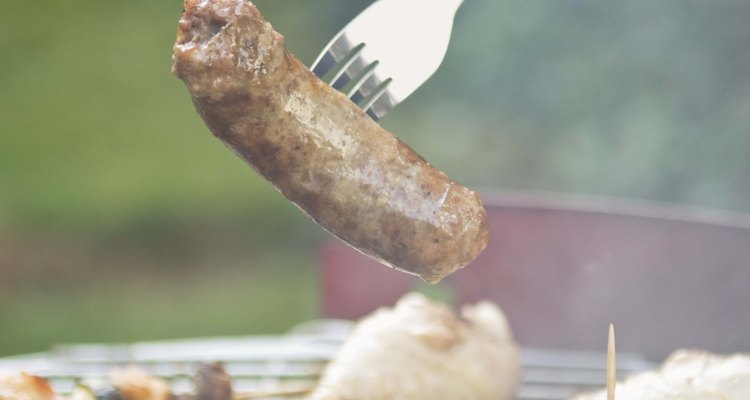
(287, 366)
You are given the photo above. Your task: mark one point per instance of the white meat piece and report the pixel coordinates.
(688, 375)
(421, 350)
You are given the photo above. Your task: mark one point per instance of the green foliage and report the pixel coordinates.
(125, 305)
(639, 98)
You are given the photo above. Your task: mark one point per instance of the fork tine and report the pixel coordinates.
(336, 50)
(324, 64)
(354, 91)
(381, 103)
(386, 27)
(349, 69)
(375, 94)
(370, 85)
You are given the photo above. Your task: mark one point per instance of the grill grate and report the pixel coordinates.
(292, 363)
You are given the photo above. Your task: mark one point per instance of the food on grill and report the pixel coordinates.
(688, 375)
(213, 383)
(421, 350)
(319, 149)
(134, 384)
(23, 386)
(124, 384)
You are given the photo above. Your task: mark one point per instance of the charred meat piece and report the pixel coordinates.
(213, 383)
(319, 149)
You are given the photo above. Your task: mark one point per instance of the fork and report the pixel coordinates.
(384, 54)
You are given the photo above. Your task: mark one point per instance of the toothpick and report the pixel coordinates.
(611, 364)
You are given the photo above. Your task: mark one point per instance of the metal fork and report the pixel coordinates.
(384, 54)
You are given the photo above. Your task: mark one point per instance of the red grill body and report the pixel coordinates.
(563, 268)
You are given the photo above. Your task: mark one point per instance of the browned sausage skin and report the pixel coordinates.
(319, 149)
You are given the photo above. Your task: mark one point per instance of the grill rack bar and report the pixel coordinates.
(292, 362)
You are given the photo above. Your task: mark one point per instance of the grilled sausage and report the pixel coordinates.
(319, 149)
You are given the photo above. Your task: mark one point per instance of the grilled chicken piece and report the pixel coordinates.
(421, 350)
(23, 386)
(134, 384)
(319, 149)
(688, 375)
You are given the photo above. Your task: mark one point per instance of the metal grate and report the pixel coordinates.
(291, 363)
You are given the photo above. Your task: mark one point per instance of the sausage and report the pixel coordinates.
(319, 149)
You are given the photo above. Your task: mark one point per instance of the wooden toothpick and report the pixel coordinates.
(611, 364)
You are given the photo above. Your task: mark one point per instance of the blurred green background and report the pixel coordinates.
(122, 218)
